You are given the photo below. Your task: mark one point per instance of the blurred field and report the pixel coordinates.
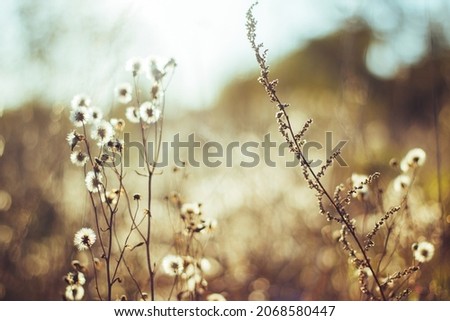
(270, 243)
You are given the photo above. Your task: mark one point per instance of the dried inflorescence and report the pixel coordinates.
(335, 206)
(369, 237)
(123, 225)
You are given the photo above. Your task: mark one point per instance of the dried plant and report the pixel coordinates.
(371, 254)
(121, 236)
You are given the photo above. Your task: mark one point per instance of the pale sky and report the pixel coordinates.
(84, 44)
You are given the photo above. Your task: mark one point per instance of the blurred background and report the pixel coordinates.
(375, 73)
